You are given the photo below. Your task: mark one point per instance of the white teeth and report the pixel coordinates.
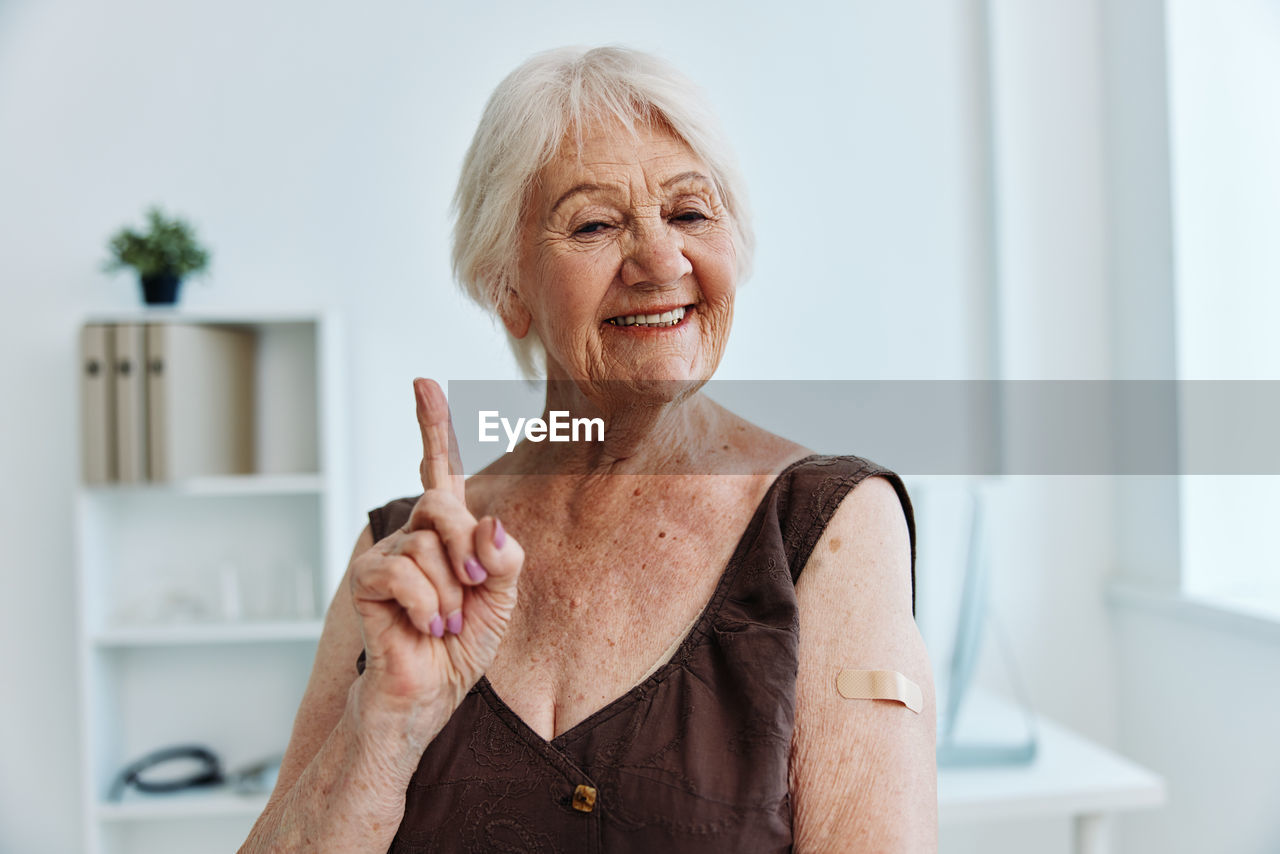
(665, 319)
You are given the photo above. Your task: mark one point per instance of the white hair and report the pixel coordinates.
(523, 126)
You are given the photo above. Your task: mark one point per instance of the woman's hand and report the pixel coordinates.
(430, 628)
(435, 597)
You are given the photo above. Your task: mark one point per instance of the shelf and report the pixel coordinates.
(179, 805)
(175, 314)
(236, 484)
(200, 593)
(210, 633)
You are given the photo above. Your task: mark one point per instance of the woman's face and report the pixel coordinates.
(627, 263)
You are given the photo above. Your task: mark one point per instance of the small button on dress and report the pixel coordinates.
(584, 799)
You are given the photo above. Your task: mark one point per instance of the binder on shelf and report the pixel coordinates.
(97, 411)
(130, 403)
(199, 391)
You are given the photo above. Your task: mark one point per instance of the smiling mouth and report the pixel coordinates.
(651, 321)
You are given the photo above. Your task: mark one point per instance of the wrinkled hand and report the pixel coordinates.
(435, 597)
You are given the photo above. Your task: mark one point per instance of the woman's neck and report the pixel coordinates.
(643, 433)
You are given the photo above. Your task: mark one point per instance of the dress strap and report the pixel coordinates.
(811, 495)
(385, 519)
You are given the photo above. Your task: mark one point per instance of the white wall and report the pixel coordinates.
(315, 147)
(1193, 190)
(1052, 538)
(1198, 700)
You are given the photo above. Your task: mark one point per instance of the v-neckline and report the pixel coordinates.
(637, 692)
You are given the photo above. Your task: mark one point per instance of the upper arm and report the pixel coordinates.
(331, 677)
(863, 772)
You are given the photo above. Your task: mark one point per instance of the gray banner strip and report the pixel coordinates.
(945, 427)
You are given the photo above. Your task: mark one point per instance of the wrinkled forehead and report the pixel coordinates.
(613, 129)
(608, 147)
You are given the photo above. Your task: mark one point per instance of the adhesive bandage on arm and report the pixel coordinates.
(879, 685)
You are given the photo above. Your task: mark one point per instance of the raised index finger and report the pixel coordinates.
(441, 463)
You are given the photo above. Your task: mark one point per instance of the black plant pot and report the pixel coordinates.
(160, 288)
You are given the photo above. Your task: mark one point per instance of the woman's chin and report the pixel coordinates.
(655, 386)
(630, 379)
(664, 389)
(652, 384)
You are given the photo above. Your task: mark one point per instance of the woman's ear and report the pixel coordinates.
(515, 314)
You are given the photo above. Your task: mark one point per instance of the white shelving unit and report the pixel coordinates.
(201, 600)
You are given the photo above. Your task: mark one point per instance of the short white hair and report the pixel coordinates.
(523, 126)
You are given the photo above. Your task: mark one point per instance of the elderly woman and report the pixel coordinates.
(586, 647)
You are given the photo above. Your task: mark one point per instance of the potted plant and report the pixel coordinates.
(162, 256)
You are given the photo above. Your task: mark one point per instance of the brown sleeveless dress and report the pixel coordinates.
(693, 759)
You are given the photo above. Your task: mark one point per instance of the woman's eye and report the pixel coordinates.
(592, 228)
(689, 216)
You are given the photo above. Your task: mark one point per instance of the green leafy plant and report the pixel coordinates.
(169, 247)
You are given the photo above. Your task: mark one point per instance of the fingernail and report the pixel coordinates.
(455, 623)
(475, 570)
(437, 626)
(499, 535)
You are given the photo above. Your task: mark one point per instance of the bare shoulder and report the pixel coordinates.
(863, 773)
(863, 556)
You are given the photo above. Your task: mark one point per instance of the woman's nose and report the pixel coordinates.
(654, 255)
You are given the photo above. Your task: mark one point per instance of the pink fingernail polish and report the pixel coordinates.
(499, 535)
(475, 570)
(437, 626)
(455, 623)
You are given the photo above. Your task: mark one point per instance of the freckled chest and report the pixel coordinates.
(612, 582)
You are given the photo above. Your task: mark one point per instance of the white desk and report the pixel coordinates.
(1071, 776)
